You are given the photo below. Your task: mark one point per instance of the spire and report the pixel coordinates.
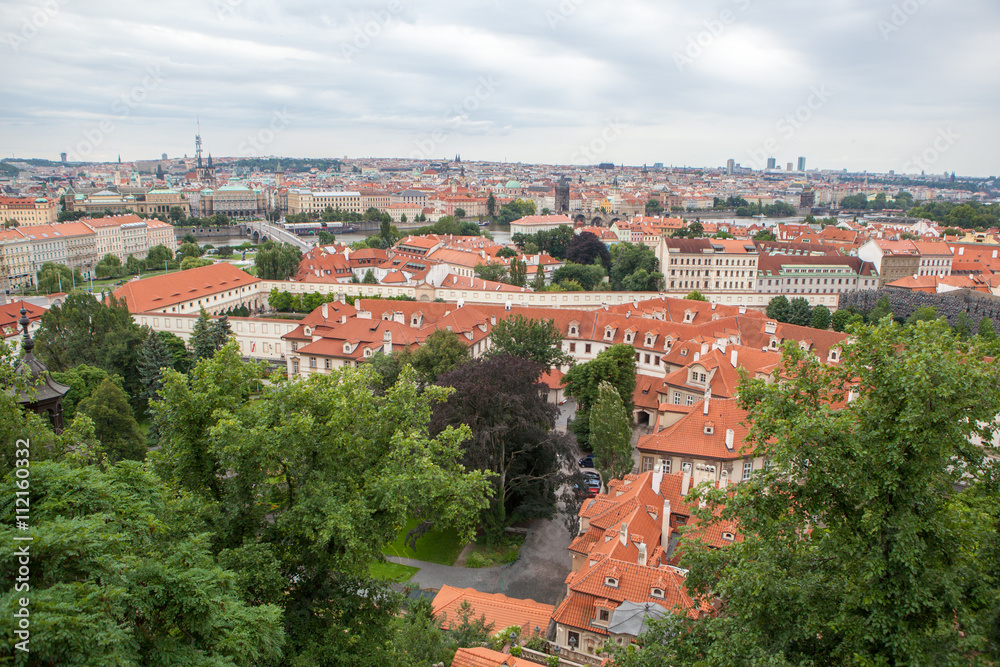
(210, 160)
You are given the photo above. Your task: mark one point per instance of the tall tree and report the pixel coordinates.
(538, 284)
(629, 258)
(277, 261)
(778, 308)
(872, 537)
(538, 340)
(493, 271)
(369, 278)
(102, 333)
(127, 577)
(615, 365)
(53, 277)
(586, 247)
(153, 359)
(501, 401)
(312, 479)
(204, 340)
(518, 273)
(820, 318)
(82, 381)
(799, 312)
(491, 206)
(440, 353)
(114, 423)
(588, 275)
(611, 434)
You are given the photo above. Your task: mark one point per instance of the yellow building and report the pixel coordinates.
(29, 211)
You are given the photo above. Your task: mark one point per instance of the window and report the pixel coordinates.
(666, 465)
(656, 593)
(611, 581)
(728, 536)
(295, 345)
(603, 614)
(677, 398)
(647, 463)
(690, 400)
(572, 347)
(328, 364)
(312, 362)
(586, 348)
(747, 469)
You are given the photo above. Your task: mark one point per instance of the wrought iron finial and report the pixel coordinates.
(27, 345)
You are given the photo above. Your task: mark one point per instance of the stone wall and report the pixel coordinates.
(975, 305)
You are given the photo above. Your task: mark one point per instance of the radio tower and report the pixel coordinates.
(197, 143)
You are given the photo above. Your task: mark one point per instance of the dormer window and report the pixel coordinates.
(650, 340)
(611, 581)
(629, 336)
(307, 331)
(729, 537)
(369, 352)
(572, 330)
(709, 428)
(387, 315)
(774, 343)
(347, 348)
(609, 334)
(656, 593)
(833, 355)
(684, 352)
(603, 615)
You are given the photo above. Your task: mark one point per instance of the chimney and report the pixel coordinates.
(387, 342)
(707, 399)
(732, 358)
(657, 478)
(642, 553)
(326, 311)
(665, 526)
(686, 481)
(704, 348)
(724, 479)
(730, 438)
(628, 314)
(623, 534)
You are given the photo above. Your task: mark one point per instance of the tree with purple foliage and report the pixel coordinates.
(586, 247)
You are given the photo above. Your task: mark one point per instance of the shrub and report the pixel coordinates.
(477, 560)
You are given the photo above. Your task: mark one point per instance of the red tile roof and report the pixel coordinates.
(181, 286)
(500, 610)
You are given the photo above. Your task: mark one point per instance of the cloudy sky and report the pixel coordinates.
(858, 84)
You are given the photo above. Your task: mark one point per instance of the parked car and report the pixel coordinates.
(593, 488)
(587, 461)
(589, 475)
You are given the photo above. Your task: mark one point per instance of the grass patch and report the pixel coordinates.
(503, 553)
(437, 546)
(392, 571)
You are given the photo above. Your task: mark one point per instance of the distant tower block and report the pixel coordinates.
(562, 195)
(730, 166)
(802, 164)
(771, 163)
(62, 157)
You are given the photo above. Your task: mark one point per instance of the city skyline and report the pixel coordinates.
(901, 86)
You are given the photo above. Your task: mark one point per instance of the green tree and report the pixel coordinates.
(101, 333)
(53, 277)
(922, 314)
(441, 352)
(224, 251)
(779, 309)
(820, 318)
(459, 213)
(611, 434)
(627, 259)
(799, 312)
(695, 295)
(157, 255)
(653, 207)
(114, 424)
(986, 329)
(588, 275)
(205, 338)
(493, 271)
(369, 278)
(538, 283)
(506, 409)
(418, 640)
(109, 266)
(616, 365)
(538, 340)
(315, 478)
(134, 266)
(491, 206)
(506, 253)
(518, 273)
(882, 309)
(82, 380)
(194, 263)
(179, 354)
(189, 250)
(840, 319)
(872, 536)
(276, 261)
(764, 235)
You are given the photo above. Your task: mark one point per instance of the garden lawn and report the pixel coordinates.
(392, 571)
(437, 546)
